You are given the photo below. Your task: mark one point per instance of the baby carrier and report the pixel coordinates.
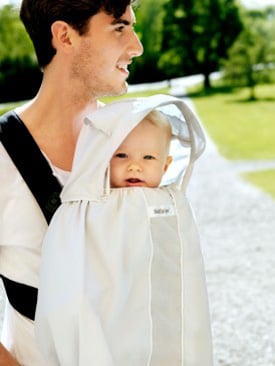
(122, 275)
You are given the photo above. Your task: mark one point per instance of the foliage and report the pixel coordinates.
(14, 42)
(19, 73)
(197, 34)
(149, 28)
(252, 56)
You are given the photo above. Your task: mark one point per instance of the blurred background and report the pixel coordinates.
(220, 56)
(180, 38)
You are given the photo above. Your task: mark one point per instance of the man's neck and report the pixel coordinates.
(54, 119)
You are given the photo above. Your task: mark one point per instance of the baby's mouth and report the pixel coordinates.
(134, 182)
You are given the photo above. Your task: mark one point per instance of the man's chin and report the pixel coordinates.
(123, 89)
(116, 92)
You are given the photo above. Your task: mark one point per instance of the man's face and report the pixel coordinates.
(141, 159)
(101, 59)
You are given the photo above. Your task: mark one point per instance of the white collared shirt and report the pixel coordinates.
(22, 228)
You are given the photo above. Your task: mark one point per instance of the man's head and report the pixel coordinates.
(143, 157)
(39, 15)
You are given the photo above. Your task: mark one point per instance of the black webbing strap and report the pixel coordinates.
(22, 297)
(31, 163)
(46, 189)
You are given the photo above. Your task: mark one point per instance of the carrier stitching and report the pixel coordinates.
(150, 286)
(182, 276)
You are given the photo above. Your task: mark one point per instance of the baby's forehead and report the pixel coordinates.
(153, 124)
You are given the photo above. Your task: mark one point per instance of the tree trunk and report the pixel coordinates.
(207, 83)
(252, 85)
(252, 93)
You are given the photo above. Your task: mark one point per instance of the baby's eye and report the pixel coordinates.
(149, 157)
(121, 155)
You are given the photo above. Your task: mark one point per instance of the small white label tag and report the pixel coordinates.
(158, 211)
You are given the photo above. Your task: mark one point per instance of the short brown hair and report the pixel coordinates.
(39, 15)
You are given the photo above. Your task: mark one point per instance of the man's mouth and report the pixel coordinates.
(123, 68)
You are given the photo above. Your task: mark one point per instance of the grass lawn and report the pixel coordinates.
(264, 179)
(135, 95)
(242, 129)
(9, 106)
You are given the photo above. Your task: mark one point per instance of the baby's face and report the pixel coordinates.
(141, 159)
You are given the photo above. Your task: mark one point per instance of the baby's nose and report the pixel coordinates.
(134, 167)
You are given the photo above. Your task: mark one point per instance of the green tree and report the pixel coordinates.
(252, 56)
(197, 35)
(149, 28)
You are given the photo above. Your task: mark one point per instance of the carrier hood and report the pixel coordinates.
(105, 129)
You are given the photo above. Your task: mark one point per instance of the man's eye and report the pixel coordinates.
(121, 155)
(120, 29)
(149, 157)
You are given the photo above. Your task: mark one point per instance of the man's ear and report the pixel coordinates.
(169, 160)
(62, 35)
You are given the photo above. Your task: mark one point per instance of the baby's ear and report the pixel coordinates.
(169, 160)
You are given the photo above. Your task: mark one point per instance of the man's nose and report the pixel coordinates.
(136, 48)
(134, 167)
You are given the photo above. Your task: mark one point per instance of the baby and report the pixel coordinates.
(143, 157)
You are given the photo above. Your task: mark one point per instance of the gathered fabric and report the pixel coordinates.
(122, 277)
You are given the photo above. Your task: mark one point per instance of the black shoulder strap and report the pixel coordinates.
(22, 297)
(31, 163)
(46, 189)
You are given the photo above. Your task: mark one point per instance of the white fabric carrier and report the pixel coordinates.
(122, 277)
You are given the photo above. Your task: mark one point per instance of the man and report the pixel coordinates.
(84, 48)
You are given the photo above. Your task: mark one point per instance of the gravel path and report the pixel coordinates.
(237, 228)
